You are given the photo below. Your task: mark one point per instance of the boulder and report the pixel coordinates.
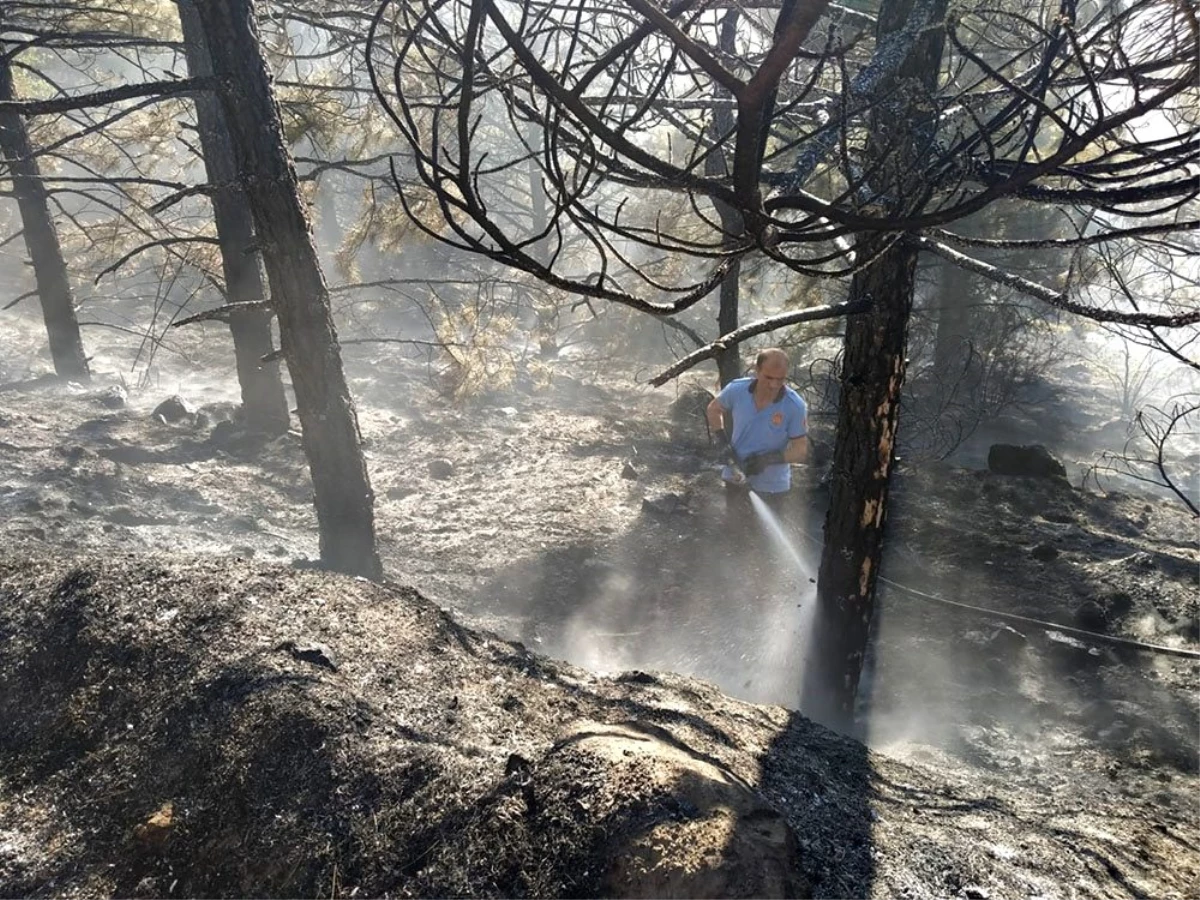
(666, 505)
(441, 469)
(677, 823)
(1029, 461)
(173, 409)
(114, 397)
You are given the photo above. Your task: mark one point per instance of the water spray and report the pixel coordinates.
(775, 530)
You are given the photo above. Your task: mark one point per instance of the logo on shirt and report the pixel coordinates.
(777, 419)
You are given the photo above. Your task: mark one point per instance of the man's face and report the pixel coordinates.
(772, 374)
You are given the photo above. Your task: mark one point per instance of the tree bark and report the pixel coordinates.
(41, 240)
(873, 369)
(343, 496)
(729, 361)
(263, 400)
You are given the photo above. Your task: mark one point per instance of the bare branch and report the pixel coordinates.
(163, 89)
(164, 242)
(1056, 299)
(221, 313)
(24, 296)
(753, 329)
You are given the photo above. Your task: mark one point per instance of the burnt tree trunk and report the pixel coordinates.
(263, 400)
(299, 295)
(729, 360)
(873, 369)
(41, 240)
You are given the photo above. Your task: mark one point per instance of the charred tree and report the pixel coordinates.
(263, 400)
(729, 360)
(873, 369)
(263, 397)
(41, 239)
(343, 496)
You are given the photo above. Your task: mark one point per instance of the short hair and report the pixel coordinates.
(767, 353)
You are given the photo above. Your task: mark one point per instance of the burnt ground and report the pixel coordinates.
(150, 593)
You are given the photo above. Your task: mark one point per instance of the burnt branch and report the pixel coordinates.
(151, 245)
(1057, 299)
(753, 329)
(668, 157)
(221, 313)
(162, 89)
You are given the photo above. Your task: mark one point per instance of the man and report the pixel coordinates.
(769, 427)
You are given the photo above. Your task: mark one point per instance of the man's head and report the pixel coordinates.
(771, 368)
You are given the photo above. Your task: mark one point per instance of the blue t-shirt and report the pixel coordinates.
(763, 430)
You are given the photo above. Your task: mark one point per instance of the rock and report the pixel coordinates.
(1044, 553)
(1140, 561)
(173, 409)
(666, 505)
(628, 472)
(399, 491)
(636, 676)
(311, 652)
(1090, 616)
(152, 834)
(704, 833)
(114, 398)
(441, 469)
(975, 892)
(1032, 461)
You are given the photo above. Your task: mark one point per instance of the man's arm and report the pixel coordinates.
(796, 450)
(715, 413)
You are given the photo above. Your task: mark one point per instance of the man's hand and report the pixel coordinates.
(756, 463)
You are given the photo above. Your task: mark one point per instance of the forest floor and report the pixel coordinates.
(153, 579)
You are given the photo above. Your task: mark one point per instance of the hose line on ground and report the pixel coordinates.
(1045, 626)
(1048, 626)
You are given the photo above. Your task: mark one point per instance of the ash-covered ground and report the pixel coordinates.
(582, 519)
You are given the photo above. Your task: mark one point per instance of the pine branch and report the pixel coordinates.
(753, 329)
(162, 89)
